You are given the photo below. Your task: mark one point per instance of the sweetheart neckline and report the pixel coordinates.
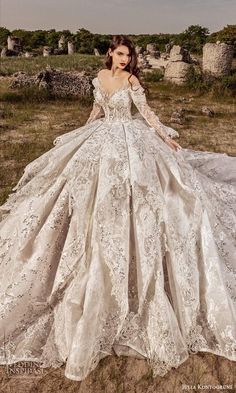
(109, 95)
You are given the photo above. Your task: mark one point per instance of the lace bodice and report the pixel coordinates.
(117, 107)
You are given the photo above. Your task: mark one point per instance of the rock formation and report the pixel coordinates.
(14, 44)
(177, 72)
(14, 47)
(96, 52)
(143, 63)
(207, 111)
(178, 53)
(71, 48)
(178, 65)
(217, 59)
(47, 51)
(62, 42)
(178, 116)
(152, 50)
(138, 49)
(174, 63)
(57, 82)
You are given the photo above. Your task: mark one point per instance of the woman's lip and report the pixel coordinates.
(122, 63)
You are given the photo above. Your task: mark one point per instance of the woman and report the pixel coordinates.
(117, 239)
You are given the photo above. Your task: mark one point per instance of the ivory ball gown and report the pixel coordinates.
(113, 241)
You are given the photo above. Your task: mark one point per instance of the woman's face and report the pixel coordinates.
(120, 56)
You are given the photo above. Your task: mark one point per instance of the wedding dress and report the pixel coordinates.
(113, 242)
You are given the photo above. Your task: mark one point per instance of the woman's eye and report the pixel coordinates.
(120, 54)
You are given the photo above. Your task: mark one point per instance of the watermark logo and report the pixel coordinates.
(24, 368)
(199, 386)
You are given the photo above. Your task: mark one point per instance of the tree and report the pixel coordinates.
(38, 38)
(4, 33)
(52, 38)
(101, 42)
(84, 41)
(227, 35)
(193, 38)
(24, 35)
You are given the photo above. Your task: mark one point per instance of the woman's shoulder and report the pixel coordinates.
(102, 71)
(133, 79)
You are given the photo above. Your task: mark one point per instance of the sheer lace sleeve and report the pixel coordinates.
(97, 110)
(95, 113)
(140, 101)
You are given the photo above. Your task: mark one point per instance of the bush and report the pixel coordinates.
(196, 81)
(153, 76)
(206, 83)
(229, 82)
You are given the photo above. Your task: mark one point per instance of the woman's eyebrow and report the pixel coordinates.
(124, 53)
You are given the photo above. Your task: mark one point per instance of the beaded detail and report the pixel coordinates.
(116, 106)
(113, 240)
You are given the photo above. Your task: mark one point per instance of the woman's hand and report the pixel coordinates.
(172, 143)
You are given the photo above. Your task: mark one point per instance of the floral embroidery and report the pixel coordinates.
(114, 240)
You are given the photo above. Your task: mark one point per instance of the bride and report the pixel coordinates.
(117, 240)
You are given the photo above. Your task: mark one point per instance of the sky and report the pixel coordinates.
(117, 16)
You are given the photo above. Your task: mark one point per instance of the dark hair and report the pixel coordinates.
(132, 67)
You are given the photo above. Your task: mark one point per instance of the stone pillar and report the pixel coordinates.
(177, 72)
(47, 51)
(142, 61)
(217, 59)
(61, 42)
(10, 43)
(138, 49)
(152, 52)
(151, 48)
(96, 52)
(28, 54)
(4, 52)
(177, 53)
(168, 48)
(71, 48)
(14, 43)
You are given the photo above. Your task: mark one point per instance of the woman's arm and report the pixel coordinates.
(97, 110)
(95, 113)
(140, 101)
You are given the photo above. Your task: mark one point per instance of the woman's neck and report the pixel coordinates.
(115, 72)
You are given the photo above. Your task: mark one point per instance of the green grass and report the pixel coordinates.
(153, 76)
(76, 62)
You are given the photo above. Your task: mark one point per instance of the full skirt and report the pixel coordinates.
(113, 241)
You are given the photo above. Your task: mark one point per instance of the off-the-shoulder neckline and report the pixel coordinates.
(123, 87)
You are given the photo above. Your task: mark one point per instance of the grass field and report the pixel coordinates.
(30, 121)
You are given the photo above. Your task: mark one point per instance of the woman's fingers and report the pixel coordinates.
(174, 145)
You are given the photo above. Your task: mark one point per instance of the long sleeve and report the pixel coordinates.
(96, 112)
(140, 101)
